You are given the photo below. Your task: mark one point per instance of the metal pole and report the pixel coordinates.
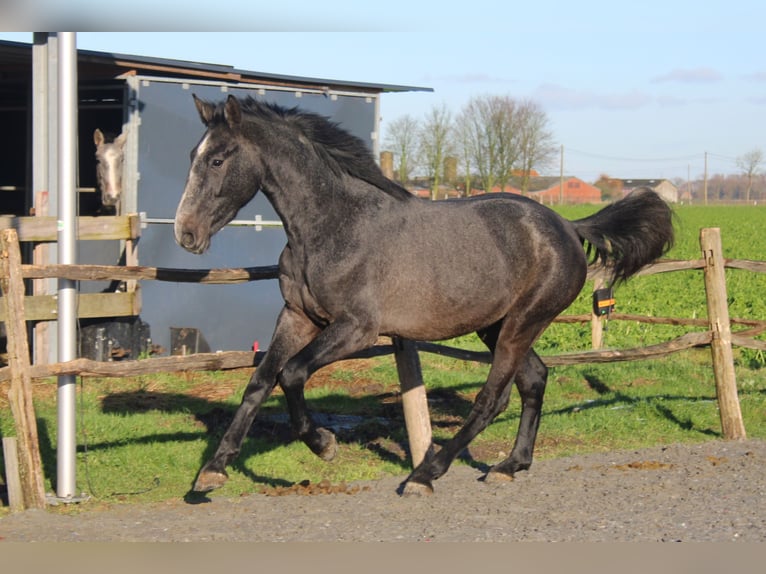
(67, 289)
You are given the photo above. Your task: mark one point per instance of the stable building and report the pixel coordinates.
(150, 101)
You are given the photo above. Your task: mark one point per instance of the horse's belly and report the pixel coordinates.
(436, 319)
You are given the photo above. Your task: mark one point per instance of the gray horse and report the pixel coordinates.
(364, 258)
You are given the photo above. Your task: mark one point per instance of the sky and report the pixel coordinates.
(656, 89)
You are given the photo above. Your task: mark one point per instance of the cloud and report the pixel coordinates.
(756, 77)
(555, 96)
(690, 76)
(671, 101)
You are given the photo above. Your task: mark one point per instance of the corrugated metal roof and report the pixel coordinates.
(14, 55)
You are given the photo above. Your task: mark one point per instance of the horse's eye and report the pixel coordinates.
(217, 162)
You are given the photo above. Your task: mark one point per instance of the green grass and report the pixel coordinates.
(144, 438)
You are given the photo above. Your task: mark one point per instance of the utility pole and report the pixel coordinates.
(705, 180)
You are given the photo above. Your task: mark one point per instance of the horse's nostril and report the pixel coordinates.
(187, 240)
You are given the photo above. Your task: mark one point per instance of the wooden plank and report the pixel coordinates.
(226, 360)
(173, 364)
(105, 227)
(747, 265)
(686, 341)
(12, 474)
(89, 306)
(721, 346)
(125, 273)
(20, 393)
(748, 342)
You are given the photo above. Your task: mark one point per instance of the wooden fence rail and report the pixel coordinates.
(717, 333)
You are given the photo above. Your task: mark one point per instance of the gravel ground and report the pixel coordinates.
(714, 491)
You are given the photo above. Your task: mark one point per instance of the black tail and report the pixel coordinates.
(628, 234)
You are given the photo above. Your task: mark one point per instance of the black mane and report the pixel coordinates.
(342, 151)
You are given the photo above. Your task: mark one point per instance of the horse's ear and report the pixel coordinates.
(98, 137)
(232, 112)
(120, 140)
(204, 109)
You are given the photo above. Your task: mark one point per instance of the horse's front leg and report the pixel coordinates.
(293, 331)
(337, 341)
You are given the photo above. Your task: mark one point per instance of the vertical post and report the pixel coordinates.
(67, 291)
(414, 402)
(387, 164)
(596, 321)
(13, 474)
(20, 393)
(41, 132)
(718, 316)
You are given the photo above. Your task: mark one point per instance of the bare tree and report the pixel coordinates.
(476, 141)
(536, 147)
(401, 140)
(435, 144)
(463, 141)
(491, 136)
(506, 124)
(750, 164)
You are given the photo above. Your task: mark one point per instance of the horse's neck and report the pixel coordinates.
(311, 207)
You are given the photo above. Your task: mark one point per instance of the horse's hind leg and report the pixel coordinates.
(509, 355)
(292, 332)
(530, 380)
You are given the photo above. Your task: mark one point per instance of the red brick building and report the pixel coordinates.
(548, 190)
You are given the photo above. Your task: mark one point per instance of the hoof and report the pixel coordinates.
(209, 480)
(497, 477)
(330, 448)
(411, 488)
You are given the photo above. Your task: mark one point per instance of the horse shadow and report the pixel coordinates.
(377, 424)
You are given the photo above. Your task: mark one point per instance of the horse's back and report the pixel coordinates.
(468, 263)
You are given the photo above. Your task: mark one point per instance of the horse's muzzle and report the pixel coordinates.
(191, 243)
(187, 241)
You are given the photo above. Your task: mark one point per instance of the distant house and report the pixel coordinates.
(663, 187)
(548, 190)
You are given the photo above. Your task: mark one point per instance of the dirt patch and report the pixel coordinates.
(713, 491)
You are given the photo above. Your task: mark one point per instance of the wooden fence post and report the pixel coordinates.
(597, 321)
(20, 394)
(12, 477)
(414, 402)
(718, 316)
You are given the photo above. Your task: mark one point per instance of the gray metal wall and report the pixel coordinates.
(230, 317)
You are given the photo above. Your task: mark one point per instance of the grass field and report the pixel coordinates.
(144, 438)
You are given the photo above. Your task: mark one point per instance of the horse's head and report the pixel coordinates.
(222, 177)
(109, 160)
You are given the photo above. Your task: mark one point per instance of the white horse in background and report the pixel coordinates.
(109, 161)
